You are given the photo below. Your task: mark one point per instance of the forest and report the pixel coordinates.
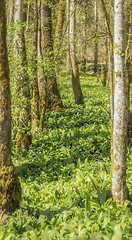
(65, 120)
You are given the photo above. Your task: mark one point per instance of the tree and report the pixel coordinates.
(59, 25)
(119, 187)
(24, 136)
(75, 70)
(10, 191)
(35, 106)
(53, 98)
(96, 40)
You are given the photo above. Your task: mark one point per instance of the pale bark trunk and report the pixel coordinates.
(10, 191)
(119, 187)
(23, 139)
(75, 70)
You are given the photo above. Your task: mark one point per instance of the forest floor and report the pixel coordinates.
(65, 176)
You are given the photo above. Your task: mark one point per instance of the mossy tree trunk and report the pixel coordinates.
(10, 191)
(58, 32)
(53, 99)
(75, 70)
(24, 135)
(35, 106)
(59, 25)
(119, 188)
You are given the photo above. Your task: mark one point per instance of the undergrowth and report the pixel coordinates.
(65, 176)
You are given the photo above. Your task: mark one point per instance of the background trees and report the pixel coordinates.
(44, 34)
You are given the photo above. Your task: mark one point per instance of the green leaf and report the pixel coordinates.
(118, 233)
(87, 202)
(45, 236)
(2, 234)
(130, 219)
(33, 235)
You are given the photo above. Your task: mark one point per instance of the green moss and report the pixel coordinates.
(118, 74)
(10, 190)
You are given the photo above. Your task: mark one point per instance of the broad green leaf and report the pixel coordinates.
(118, 233)
(33, 235)
(45, 236)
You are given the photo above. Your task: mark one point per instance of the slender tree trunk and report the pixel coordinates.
(58, 33)
(75, 70)
(23, 137)
(10, 191)
(106, 62)
(11, 11)
(59, 25)
(119, 187)
(84, 39)
(41, 78)
(53, 99)
(128, 45)
(67, 35)
(96, 41)
(35, 106)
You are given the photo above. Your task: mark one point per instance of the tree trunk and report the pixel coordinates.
(41, 78)
(96, 41)
(58, 34)
(59, 25)
(75, 70)
(10, 191)
(84, 38)
(119, 187)
(106, 62)
(67, 36)
(24, 136)
(35, 106)
(11, 11)
(53, 99)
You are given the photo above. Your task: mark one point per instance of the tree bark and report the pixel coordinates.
(10, 191)
(53, 99)
(59, 25)
(67, 36)
(35, 106)
(119, 187)
(75, 70)
(41, 78)
(84, 38)
(96, 41)
(24, 136)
